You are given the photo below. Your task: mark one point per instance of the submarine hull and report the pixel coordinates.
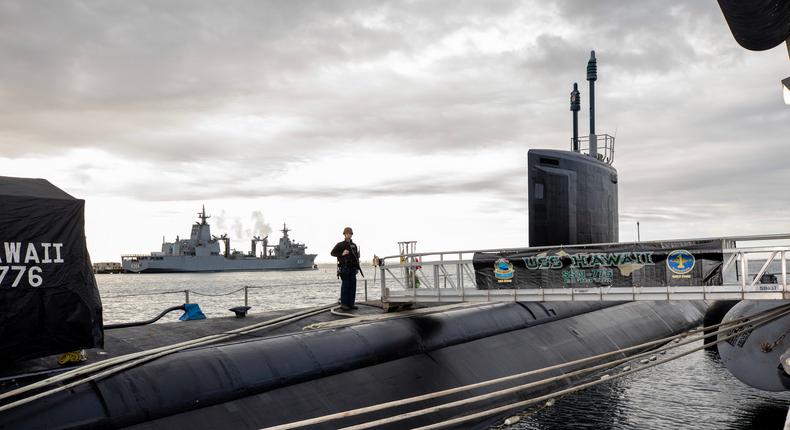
(284, 378)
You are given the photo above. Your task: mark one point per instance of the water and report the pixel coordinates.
(137, 297)
(692, 392)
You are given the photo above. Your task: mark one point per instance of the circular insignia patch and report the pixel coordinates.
(680, 261)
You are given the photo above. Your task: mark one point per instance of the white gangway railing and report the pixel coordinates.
(753, 268)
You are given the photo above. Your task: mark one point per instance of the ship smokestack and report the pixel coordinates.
(592, 76)
(253, 246)
(575, 107)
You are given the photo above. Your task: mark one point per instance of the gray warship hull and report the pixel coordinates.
(201, 252)
(214, 263)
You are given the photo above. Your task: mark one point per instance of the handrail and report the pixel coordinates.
(762, 237)
(605, 147)
(757, 272)
(242, 293)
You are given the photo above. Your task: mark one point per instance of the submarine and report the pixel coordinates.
(286, 366)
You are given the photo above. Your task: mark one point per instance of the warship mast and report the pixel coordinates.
(203, 217)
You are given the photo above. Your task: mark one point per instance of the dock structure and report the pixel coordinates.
(107, 267)
(723, 268)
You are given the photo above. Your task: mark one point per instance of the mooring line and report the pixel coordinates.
(401, 402)
(523, 387)
(140, 357)
(482, 414)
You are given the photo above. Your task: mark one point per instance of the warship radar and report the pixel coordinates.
(201, 253)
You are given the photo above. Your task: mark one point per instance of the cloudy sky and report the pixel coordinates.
(405, 120)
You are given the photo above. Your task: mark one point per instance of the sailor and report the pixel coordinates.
(347, 255)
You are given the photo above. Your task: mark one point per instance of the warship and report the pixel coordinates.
(201, 253)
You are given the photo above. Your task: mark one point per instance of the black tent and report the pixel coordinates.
(49, 302)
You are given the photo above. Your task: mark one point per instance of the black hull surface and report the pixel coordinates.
(289, 377)
(572, 199)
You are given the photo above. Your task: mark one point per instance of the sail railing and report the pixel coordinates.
(757, 271)
(605, 145)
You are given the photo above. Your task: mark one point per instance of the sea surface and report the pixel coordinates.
(692, 392)
(136, 297)
(695, 391)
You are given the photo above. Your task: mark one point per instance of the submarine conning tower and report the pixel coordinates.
(573, 194)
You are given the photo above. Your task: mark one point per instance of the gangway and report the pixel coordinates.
(741, 268)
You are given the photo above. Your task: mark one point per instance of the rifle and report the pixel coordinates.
(356, 256)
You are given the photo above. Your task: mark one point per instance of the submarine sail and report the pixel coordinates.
(573, 194)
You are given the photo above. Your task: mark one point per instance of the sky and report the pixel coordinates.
(404, 120)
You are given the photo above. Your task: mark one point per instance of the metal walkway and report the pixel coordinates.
(751, 268)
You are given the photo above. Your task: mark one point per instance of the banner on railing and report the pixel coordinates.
(645, 264)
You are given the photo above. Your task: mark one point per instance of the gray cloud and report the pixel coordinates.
(136, 78)
(133, 78)
(508, 183)
(220, 100)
